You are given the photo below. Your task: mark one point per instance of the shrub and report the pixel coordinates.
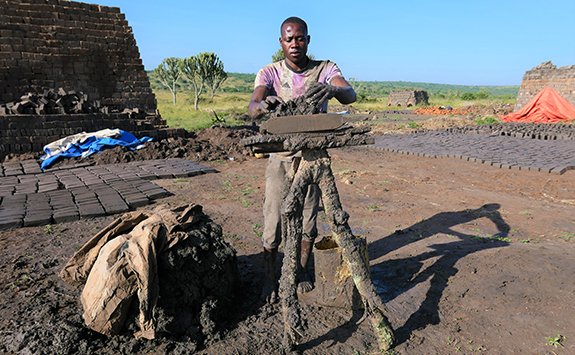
(468, 96)
(487, 120)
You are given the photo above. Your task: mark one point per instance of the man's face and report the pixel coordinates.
(294, 41)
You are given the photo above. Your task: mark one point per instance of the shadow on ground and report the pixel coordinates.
(394, 277)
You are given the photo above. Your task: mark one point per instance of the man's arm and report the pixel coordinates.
(345, 93)
(261, 103)
(259, 94)
(338, 88)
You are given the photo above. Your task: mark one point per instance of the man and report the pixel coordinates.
(276, 83)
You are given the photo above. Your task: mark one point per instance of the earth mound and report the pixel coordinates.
(198, 281)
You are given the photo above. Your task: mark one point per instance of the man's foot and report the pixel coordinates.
(270, 288)
(304, 282)
(269, 293)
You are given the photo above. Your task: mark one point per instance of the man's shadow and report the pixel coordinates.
(395, 277)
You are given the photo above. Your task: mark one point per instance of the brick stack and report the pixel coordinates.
(30, 133)
(408, 98)
(76, 46)
(547, 74)
(29, 197)
(51, 44)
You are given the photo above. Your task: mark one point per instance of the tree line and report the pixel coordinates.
(204, 72)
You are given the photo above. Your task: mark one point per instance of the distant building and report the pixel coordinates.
(408, 98)
(547, 74)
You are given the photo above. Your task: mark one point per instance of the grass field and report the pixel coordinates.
(228, 106)
(232, 101)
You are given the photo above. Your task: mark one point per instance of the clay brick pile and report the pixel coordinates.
(29, 197)
(90, 52)
(30, 133)
(76, 46)
(547, 74)
(52, 102)
(408, 98)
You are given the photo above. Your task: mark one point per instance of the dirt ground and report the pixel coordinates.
(468, 259)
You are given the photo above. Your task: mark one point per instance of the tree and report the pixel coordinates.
(215, 74)
(279, 55)
(192, 71)
(203, 70)
(359, 89)
(169, 72)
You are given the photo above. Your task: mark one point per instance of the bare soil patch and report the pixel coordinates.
(468, 258)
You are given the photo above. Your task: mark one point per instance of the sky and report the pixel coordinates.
(466, 42)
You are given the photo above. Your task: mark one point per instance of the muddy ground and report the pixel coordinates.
(468, 258)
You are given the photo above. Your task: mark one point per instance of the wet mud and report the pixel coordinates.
(199, 280)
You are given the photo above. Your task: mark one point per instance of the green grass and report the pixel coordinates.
(566, 236)
(228, 106)
(246, 191)
(245, 202)
(486, 120)
(373, 208)
(257, 229)
(501, 239)
(233, 98)
(494, 238)
(556, 341)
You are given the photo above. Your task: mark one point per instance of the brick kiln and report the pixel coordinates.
(408, 98)
(561, 79)
(82, 48)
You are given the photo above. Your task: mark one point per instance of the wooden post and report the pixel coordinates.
(315, 168)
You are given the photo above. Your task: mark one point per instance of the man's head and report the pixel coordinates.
(294, 40)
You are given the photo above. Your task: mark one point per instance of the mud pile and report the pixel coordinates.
(297, 106)
(198, 279)
(210, 144)
(303, 105)
(215, 143)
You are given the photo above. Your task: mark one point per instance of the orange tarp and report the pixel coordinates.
(545, 107)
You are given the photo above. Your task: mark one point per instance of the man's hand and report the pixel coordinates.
(320, 93)
(269, 104)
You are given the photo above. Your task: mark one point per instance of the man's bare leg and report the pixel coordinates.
(305, 283)
(270, 287)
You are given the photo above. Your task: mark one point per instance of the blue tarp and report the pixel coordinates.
(91, 145)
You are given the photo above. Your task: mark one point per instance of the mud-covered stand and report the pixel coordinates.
(315, 168)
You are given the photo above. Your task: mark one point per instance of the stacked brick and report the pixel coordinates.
(51, 44)
(408, 98)
(77, 46)
(29, 197)
(30, 133)
(547, 74)
(52, 102)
